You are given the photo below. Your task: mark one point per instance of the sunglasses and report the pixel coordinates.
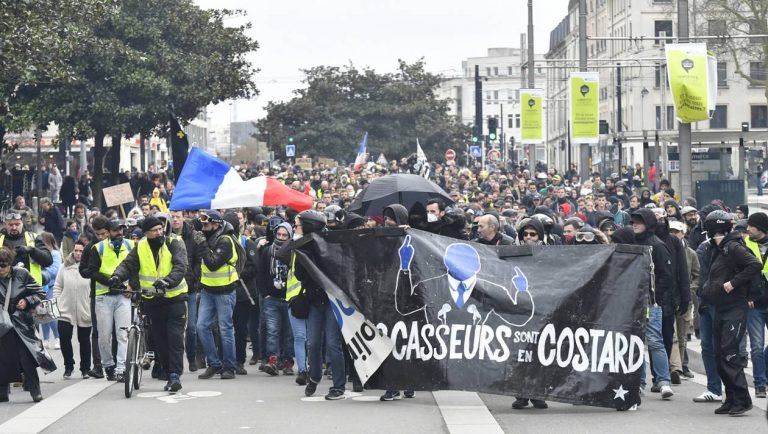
(586, 237)
(4, 264)
(530, 234)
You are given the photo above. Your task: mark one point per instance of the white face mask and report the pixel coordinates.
(297, 236)
(431, 218)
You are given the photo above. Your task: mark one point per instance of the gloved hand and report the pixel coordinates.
(161, 285)
(199, 238)
(683, 308)
(114, 282)
(23, 250)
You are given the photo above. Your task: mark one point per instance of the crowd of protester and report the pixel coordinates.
(707, 261)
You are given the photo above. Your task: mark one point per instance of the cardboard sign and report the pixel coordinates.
(118, 194)
(304, 162)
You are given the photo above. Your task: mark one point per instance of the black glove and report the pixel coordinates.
(161, 285)
(703, 308)
(114, 282)
(199, 238)
(23, 250)
(683, 308)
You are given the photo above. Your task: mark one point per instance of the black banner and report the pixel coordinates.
(562, 323)
(179, 147)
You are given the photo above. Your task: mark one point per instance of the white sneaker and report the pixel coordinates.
(47, 344)
(56, 344)
(708, 397)
(666, 392)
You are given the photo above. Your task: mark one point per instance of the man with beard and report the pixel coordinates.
(31, 252)
(694, 233)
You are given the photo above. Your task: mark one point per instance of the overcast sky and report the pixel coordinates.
(299, 34)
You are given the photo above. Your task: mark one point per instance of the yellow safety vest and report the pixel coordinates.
(755, 248)
(224, 275)
(293, 285)
(110, 260)
(149, 274)
(35, 270)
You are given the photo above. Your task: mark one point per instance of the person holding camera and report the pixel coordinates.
(31, 251)
(158, 265)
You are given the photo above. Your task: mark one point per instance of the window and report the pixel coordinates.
(662, 27)
(757, 71)
(659, 72)
(759, 118)
(509, 70)
(510, 121)
(754, 29)
(719, 117)
(488, 71)
(495, 96)
(722, 74)
(670, 118)
(495, 70)
(517, 120)
(717, 27)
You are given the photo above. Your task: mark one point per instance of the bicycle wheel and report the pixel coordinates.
(130, 363)
(140, 356)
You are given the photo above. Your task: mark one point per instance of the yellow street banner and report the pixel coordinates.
(583, 95)
(692, 77)
(531, 116)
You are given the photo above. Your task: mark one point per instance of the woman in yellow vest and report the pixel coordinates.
(157, 265)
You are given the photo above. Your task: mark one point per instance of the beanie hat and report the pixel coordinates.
(743, 208)
(759, 220)
(150, 222)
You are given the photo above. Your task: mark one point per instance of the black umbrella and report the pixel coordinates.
(404, 189)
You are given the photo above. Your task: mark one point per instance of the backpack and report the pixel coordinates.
(241, 253)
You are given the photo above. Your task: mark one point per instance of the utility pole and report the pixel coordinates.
(618, 114)
(531, 77)
(479, 114)
(583, 147)
(684, 139)
(39, 158)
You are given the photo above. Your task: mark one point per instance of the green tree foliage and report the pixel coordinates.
(146, 57)
(330, 115)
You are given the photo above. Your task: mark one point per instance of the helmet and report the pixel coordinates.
(312, 221)
(718, 222)
(335, 214)
(544, 219)
(621, 184)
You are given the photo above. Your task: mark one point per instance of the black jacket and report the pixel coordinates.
(447, 229)
(662, 260)
(90, 263)
(681, 295)
(250, 274)
(129, 270)
(499, 240)
(40, 253)
(193, 257)
(310, 286)
(730, 261)
(53, 222)
(270, 269)
(695, 235)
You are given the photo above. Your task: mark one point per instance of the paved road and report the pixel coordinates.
(259, 403)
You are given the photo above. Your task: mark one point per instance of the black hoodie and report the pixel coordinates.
(681, 296)
(662, 260)
(533, 223)
(731, 261)
(396, 212)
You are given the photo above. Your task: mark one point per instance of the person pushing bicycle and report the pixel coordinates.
(158, 265)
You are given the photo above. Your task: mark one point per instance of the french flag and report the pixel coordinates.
(209, 183)
(361, 152)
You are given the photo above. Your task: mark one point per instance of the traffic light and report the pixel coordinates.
(493, 123)
(474, 139)
(290, 140)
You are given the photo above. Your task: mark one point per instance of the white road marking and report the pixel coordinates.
(43, 414)
(465, 412)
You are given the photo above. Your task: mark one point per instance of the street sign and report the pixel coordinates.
(494, 155)
(450, 155)
(290, 150)
(475, 152)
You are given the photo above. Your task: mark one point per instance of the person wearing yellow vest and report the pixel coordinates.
(757, 315)
(31, 252)
(157, 265)
(113, 309)
(218, 281)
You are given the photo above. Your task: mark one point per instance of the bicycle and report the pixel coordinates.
(137, 353)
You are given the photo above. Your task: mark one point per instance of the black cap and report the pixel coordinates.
(150, 222)
(114, 224)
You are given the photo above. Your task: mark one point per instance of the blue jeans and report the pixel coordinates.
(299, 327)
(659, 358)
(322, 321)
(706, 331)
(756, 320)
(279, 339)
(191, 336)
(219, 306)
